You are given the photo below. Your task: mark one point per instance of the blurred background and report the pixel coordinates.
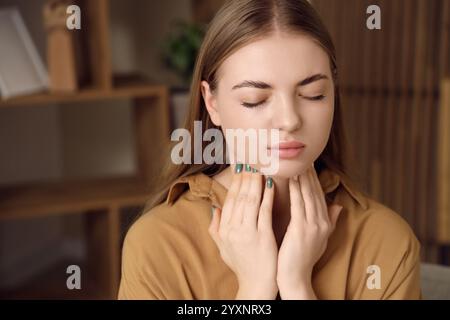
(83, 113)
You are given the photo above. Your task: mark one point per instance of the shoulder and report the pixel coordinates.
(372, 223)
(375, 233)
(178, 221)
(383, 247)
(182, 219)
(381, 226)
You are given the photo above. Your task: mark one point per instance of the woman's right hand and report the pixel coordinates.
(242, 230)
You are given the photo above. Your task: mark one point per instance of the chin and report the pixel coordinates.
(291, 168)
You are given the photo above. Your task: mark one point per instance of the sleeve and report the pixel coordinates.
(405, 281)
(386, 261)
(137, 282)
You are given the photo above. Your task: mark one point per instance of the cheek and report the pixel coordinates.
(320, 129)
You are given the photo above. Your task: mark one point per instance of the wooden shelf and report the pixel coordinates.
(124, 88)
(43, 199)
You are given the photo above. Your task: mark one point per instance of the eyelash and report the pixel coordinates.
(254, 105)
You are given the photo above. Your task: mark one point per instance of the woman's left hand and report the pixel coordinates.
(306, 237)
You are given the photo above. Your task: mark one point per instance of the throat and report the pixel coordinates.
(280, 222)
(281, 212)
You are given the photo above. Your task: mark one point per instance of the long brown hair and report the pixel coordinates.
(236, 24)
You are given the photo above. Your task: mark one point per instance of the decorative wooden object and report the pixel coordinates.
(60, 48)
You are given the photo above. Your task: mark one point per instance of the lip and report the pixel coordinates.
(288, 145)
(288, 149)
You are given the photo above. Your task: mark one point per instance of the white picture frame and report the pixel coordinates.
(22, 71)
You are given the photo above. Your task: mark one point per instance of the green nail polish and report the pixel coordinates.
(212, 211)
(254, 170)
(248, 168)
(238, 168)
(269, 182)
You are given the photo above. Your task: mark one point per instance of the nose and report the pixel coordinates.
(286, 115)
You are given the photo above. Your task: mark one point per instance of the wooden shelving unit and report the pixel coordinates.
(101, 201)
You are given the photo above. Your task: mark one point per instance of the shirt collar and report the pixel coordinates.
(206, 187)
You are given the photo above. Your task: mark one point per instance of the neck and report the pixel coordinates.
(281, 212)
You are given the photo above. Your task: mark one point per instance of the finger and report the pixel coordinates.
(308, 196)
(230, 198)
(250, 217)
(334, 211)
(296, 199)
(214, 225)
(321, 206)
(265, 210)
(242, 197)
(319, 188)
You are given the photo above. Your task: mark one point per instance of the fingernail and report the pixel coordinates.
(238, 168)
(254, 170)
(248, 168)
(269, 182)
(212, 210)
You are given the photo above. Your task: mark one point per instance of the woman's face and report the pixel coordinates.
(280, 82)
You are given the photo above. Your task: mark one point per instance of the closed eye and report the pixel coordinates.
(254, 105)
(316, 98)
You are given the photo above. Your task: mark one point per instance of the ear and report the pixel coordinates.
(210, 103)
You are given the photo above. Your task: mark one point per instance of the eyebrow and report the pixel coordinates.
(264, 85)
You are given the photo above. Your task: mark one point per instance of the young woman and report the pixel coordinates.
(218, 231)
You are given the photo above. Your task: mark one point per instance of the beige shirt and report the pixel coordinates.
(169, 254)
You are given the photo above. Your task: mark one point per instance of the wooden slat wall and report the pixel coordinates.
(390, 82)
(443, 218)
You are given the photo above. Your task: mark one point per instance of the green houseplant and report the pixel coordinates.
(181, 47)
(179, 52)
